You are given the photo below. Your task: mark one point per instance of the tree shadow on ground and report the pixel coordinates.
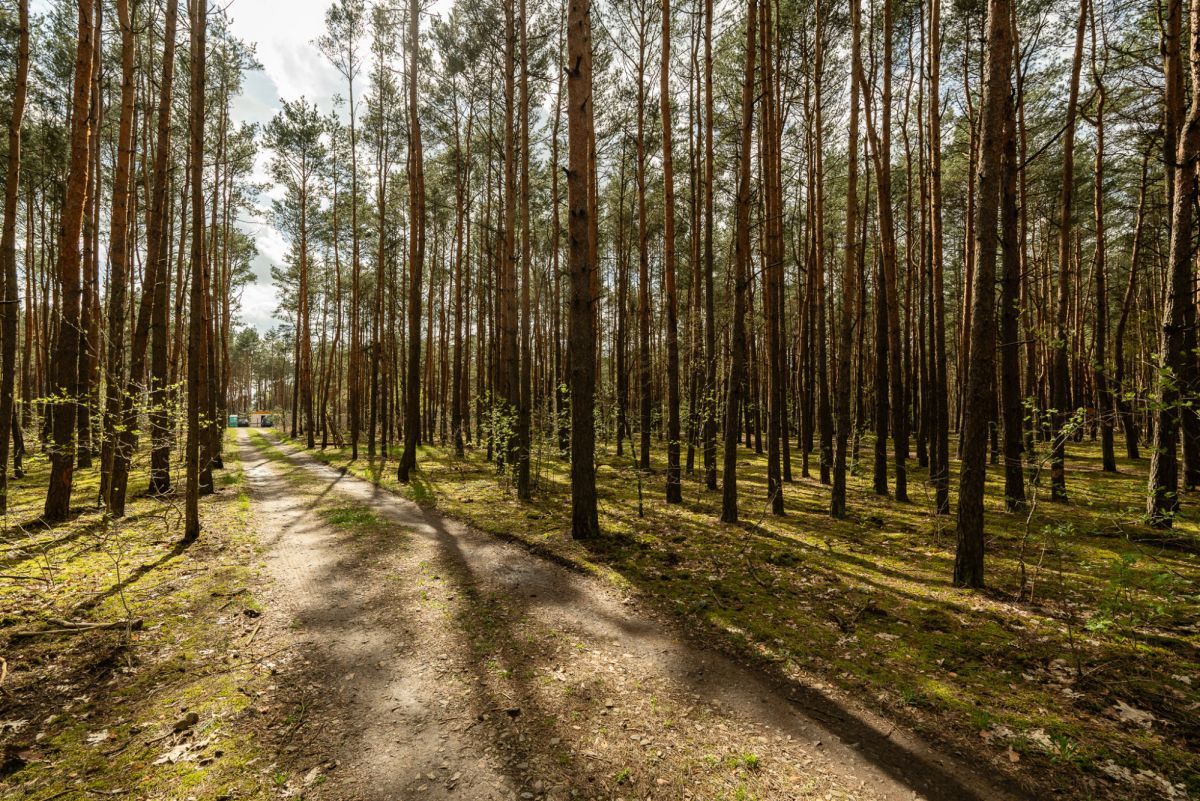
(500, 587)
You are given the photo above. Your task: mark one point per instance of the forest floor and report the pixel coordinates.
(1075, 675)
(440, 662)
(332, 635)
(165, 704)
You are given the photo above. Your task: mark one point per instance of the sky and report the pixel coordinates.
(283, 32)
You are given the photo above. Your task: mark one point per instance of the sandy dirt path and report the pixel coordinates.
(428, 660)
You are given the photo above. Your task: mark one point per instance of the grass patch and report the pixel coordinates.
(350, 517)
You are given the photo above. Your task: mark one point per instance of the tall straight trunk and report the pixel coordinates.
(674, 488)
(880, 139)
(560, 394)
(696, 297)
(939, 451)
(113, 497)
(1100, 329)
(737, 348)
(1060, 379)
(354, 360)
(376, 381)
(622, 311)
(819, 330)
(457, 407)
(66, 361)
(805, 296)
(824, 410)
(509, 366)
(416, 252)
(197, 357)
(770, 142)
(881, 371)
(154, 306)
(212, 291)
(837, 507)
(644, 402)
(333, 361)
(305, 332)
(1129, 423)
(1163, 501)
(8, 254)
(526, 395)
(581, 231)
(1011, 401)
(89, 340)
(710, 334)
(995, 105)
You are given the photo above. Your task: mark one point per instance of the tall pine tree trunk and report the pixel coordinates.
(65, 384)
(581, 232)
(968, 562)
(1060, 380)
(1163, 500)
(416, 252)
(112, 495)
(9, 425)
(837, 507)
(674, 488)
(1011, 402)
(737, 354)
(197, 357)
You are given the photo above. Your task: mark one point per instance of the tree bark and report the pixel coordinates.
(674, 487)
(581, 231)
(1129, 423)
(837, 508)
(416, 252)
(710, 334)
(939, 451)
(113, 495)
(1060, 380)
(968, 562)
(737, 354)
(66, 361)
(525, 400)
(9, 425)
(197, 358)
(1011, 400)
(1163, 502)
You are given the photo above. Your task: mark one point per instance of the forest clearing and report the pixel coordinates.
(729, 400)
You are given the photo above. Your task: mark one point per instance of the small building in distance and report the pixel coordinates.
(262, 419)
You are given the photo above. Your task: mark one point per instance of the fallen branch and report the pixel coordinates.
(11, 577)
(74, 627)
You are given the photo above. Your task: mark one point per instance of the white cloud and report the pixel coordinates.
(258, 305)
(283, 32)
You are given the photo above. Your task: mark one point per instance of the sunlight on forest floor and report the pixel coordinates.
(1077, 668)
(164, 710)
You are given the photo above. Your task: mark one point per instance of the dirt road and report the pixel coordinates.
(429, 660)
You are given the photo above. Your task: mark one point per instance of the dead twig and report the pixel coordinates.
(73, 627)
(11, 577)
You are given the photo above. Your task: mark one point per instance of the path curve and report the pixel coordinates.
(444, 663)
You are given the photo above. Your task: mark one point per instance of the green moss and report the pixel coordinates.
(136, 686)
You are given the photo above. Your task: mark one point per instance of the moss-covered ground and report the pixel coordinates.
(166, 711)
(1076, 673)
